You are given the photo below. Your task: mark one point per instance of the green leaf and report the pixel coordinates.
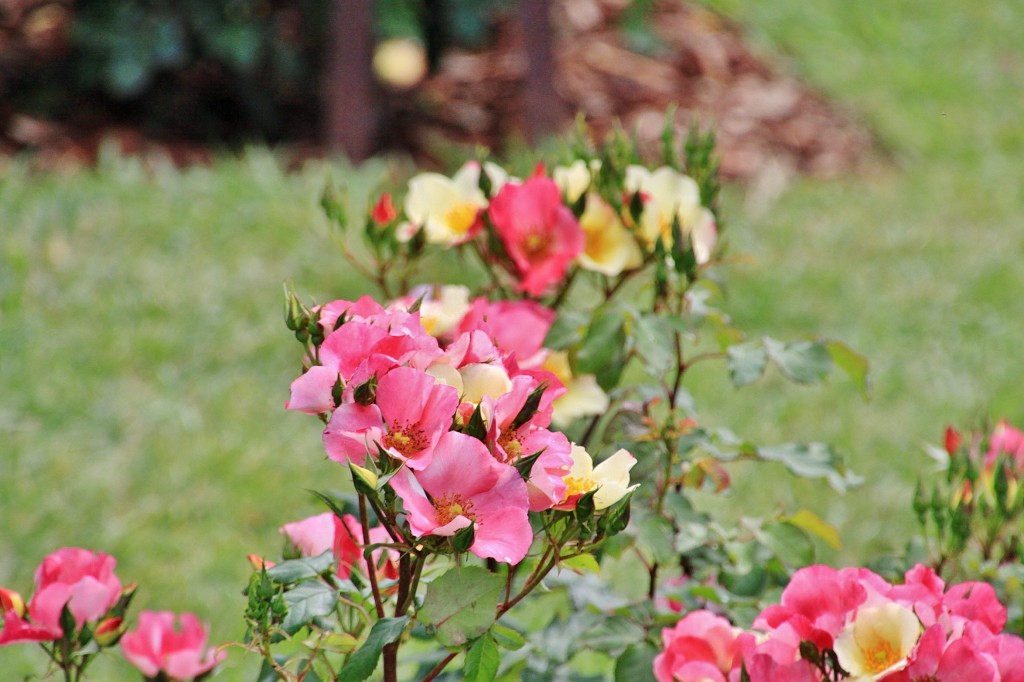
(612, 634)
(656, 342)
(811, 460)
(636, 664)
(294, 570)
(506, 637)
(461, 604)
(603, 349)
(805, 362)
(364, 661)
(813, 524)
(567, 330)
(853, 363)
(654, 538)
(791, 544)
(482, 660)
(746, 362)
(305, 602)
(581, 563)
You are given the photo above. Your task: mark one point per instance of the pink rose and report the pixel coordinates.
(158, 645)
(463, 486)
(538, 231)
(701, 646)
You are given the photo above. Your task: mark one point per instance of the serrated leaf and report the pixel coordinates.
(506, 637)
(305, 602)
(461, 604)
(811, 460)
(655, 341)
(654, 538)
(482, 660)
(636, 663)
(612, 634)
(567, 330)
(294, 570)
(854, 364)
(805, 362)
(581, 563)
(746, 362)
(815, 525)
(364, 661)
(792, 545)
(603, 347)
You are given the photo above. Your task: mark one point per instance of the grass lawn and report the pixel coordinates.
(144, 363)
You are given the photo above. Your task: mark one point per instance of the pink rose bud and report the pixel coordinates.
(109, 631)
(259, 563)
(384, 211)
(952, 440)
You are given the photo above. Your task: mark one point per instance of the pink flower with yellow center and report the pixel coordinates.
(538, 232)
(464, 485)
(411, 412)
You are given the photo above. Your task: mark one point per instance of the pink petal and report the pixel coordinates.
(352, 432)
(312, 392)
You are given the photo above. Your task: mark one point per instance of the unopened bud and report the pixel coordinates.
(258, 563)
(364, 479)
(952, 440)
(11, 601)
(109, 631)
(383, 212)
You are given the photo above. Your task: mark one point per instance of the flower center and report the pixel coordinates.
(511, 444)
(406, 440)
(881, 656)
(450, 506)
(578, 485)
(535, 245)
(461, 217)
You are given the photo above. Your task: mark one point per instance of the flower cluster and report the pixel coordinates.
(455, 421)
(537, 229)
(79, 606)
(851, 623)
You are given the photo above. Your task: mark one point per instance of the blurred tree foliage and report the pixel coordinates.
(226, 70)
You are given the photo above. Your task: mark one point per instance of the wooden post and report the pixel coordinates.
(543, 111)
(349, 106)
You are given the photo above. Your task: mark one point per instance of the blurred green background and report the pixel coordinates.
(144, 363)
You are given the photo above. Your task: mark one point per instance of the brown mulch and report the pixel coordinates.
(767, 122)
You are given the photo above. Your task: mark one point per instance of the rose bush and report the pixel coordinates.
(502, 448)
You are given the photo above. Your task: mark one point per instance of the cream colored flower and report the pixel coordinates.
(610, 248)
(669, 194)
(877, 642)
(447, 209)
(582, 394)
(481, 379)
(575, 179)
(442, 313)
(610, 478)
